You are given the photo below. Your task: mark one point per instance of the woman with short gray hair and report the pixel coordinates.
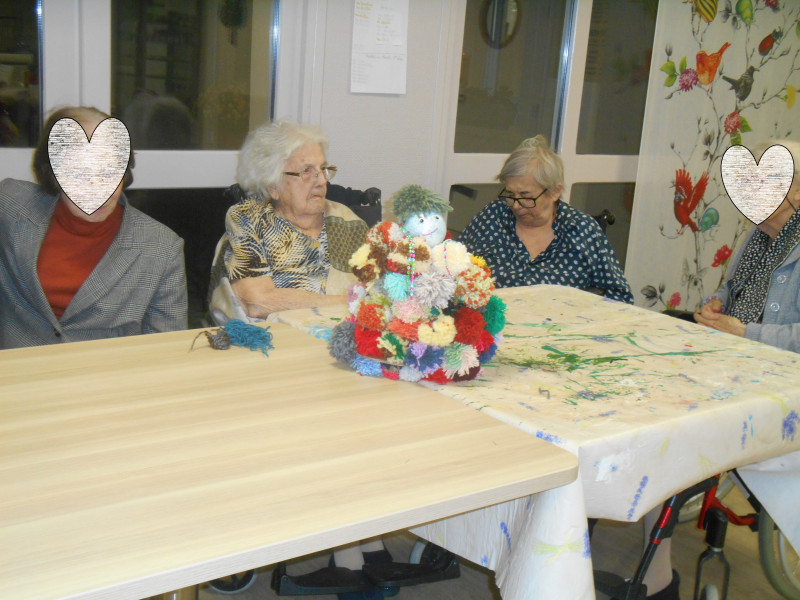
(529, 236)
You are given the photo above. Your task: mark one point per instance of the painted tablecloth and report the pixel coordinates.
(649, 403)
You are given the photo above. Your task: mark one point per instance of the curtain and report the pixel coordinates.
(723, 72)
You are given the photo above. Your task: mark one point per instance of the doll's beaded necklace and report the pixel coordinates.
(411, 267)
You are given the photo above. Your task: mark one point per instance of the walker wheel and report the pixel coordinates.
(233, 584)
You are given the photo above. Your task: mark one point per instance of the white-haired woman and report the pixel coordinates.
(289, 246)
(761, 299)
(529, 236)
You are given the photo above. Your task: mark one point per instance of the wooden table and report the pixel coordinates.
(132, 467)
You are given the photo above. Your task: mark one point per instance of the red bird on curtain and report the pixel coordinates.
(687, 197)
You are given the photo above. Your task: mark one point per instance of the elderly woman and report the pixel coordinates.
(761, 299)
(289, 246)
(66, 275)
(529, 236)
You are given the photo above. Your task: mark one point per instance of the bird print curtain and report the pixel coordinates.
(723, 72)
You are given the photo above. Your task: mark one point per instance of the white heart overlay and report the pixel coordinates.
(757, 189)
(89, 168)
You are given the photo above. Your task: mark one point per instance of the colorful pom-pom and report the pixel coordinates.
(410, 374)
(438, 376)
(371, 316)
(367, 367)
(434, 289)
(342, 345)
(495, 315)
(440, 332)
(409, 311)
(396, 285)
(470, 325)
(450, 258)
(367, 342)
(459, 359)
(424, 358)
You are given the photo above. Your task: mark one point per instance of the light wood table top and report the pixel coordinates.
(132, 467)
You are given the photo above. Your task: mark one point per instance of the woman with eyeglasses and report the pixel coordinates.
(289, 246)
(529, 236)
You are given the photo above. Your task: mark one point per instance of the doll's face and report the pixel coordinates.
(432, 227)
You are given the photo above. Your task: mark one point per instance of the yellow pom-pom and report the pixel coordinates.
(478, 260)
(440, 332)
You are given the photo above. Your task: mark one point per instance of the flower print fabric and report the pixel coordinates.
(579, 255)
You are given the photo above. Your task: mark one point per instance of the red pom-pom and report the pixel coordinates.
(438, 376)
(487, 339)
(470, 324)
(389, 373)
(367, 342)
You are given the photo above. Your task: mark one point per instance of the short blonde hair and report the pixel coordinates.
(534, 157)
(266, 150)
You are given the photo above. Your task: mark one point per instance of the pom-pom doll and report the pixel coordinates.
(423, 308)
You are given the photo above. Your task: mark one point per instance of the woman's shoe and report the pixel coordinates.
(671, 591)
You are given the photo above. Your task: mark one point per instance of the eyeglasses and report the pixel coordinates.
(523, 202)
(310, 173)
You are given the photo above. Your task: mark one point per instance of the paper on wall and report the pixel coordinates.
(380, 47)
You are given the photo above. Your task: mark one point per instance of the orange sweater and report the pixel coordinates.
(70, 251)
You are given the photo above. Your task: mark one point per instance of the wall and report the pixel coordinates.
(383, 140)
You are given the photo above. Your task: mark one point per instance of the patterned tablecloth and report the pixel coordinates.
(649, 403)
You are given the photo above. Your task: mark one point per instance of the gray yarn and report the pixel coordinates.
(434, 289)
(342, 345)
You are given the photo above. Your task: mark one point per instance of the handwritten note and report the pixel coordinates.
(380, 47)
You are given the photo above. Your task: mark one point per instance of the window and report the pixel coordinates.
(615, 80)
(510, 65)
(192, 74)
(20, 59)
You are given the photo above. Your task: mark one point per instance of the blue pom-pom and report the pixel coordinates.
(488, 354)
(396, 286)
(249, 336)
(427, 361)
(367, 366)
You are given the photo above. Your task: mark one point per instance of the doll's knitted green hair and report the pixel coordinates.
(414, 199)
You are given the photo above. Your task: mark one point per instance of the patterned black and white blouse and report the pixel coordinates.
(579, 255)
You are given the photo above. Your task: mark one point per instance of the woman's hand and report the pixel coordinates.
(711, 314)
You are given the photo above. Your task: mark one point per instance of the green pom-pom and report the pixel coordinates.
(495, 314)
(414, 199)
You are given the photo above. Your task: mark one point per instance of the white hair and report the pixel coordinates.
(263, 157)
(534, 157)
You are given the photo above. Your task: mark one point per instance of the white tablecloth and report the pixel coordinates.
(650, 404)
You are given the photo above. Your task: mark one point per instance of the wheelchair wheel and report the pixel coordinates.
(691, 509)
(709, 592)
(779, 560)
(233, 584)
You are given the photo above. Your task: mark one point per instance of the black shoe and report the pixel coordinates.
(671, 591)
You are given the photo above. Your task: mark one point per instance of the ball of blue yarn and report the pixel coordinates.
(249, 336)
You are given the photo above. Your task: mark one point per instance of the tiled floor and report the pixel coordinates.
(615, 547)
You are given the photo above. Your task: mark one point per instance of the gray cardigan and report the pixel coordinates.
(139, 286)
(780, 325)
